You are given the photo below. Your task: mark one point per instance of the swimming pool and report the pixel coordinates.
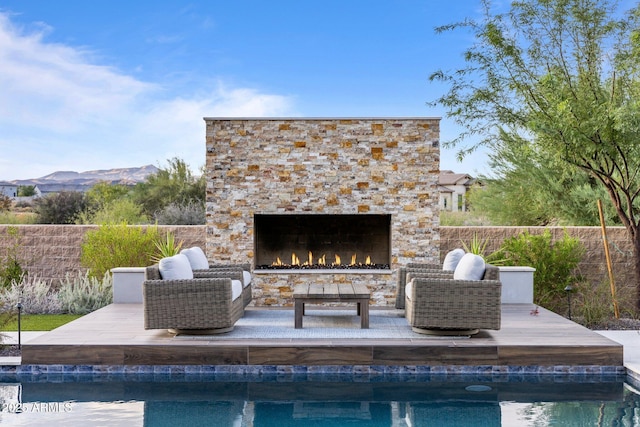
(311, 399)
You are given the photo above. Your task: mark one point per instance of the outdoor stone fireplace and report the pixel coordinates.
(322, 200)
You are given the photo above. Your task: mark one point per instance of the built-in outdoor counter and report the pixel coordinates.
(517, 285)
(127, 284)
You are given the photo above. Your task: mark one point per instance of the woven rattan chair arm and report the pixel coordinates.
(231, 273)
(424, 265)
(243, 266)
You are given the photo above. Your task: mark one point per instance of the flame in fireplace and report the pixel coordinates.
(322, 261)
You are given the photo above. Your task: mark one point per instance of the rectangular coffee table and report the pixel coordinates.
(318, 294)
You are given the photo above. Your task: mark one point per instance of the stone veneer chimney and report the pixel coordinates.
(324, 166)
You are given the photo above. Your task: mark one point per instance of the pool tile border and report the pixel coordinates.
(590, 373)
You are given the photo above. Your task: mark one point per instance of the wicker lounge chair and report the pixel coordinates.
(444, 306)
(237, 271)
(201, 267)
(191, 306)
(413, 270)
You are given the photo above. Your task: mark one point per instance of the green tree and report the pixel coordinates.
(60, 208)
(104, 193)
(115, 212)
(554, 193)
(26, 190)
(560, 76)
(175, 184)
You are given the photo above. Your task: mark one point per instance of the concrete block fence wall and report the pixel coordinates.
(51, 251)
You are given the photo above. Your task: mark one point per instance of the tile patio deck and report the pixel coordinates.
(115, 335)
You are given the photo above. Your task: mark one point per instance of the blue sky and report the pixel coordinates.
(103, 84)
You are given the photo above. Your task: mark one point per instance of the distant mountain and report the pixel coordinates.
(116, 176)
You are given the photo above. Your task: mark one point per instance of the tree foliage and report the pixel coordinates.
(553, 193)
(26, 190)
(560, 76)
(60, 208)
(117, 245)
(174, 184)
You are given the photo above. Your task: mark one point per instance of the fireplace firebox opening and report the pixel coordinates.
(319, 241)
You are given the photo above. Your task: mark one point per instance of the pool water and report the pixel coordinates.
(317, 400)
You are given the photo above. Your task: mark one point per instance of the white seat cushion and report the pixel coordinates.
(236, 289)
(197, 258)
(470, 267)
(176, 267)
(246, 278)
(452, 259)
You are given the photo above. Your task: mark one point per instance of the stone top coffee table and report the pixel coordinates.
(318, 294)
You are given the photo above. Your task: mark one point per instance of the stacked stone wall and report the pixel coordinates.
(322, 166)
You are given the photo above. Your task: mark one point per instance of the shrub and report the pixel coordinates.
(115, 212)
(82, 293)
(5, 202)
(590, 306)
(10, 268)
(167, 247)
(117, 245)
(555, 263)
(175, 214)
(35, 295)
(60, 208)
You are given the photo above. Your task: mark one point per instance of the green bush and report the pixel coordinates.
(117, 245)
(82, 293)
(115, 212)
(10, 269)
(555, 263)
(60, 208)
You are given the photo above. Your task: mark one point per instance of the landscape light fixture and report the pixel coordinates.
(19, 307)
(569, 290)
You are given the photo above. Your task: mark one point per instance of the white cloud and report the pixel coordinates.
(60, 110)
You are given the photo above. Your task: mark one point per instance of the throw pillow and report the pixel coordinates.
(176, 267)
(452, 259)
(197, 258)
(470, 267)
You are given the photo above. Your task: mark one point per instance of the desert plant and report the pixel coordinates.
(589, 307)
(192, 213)
(60, 208)
(82, 293)
(5, 202)
(167, 247)
(7, 315)
(479, 247)
(10, 268)
(555, 263)
(35, 295)
(114, 212)
(117, 245)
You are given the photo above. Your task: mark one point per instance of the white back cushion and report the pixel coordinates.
(470, 267)
(452, 259)
(246, 278)
(197, 258)
(236, 289)
(176, 267)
